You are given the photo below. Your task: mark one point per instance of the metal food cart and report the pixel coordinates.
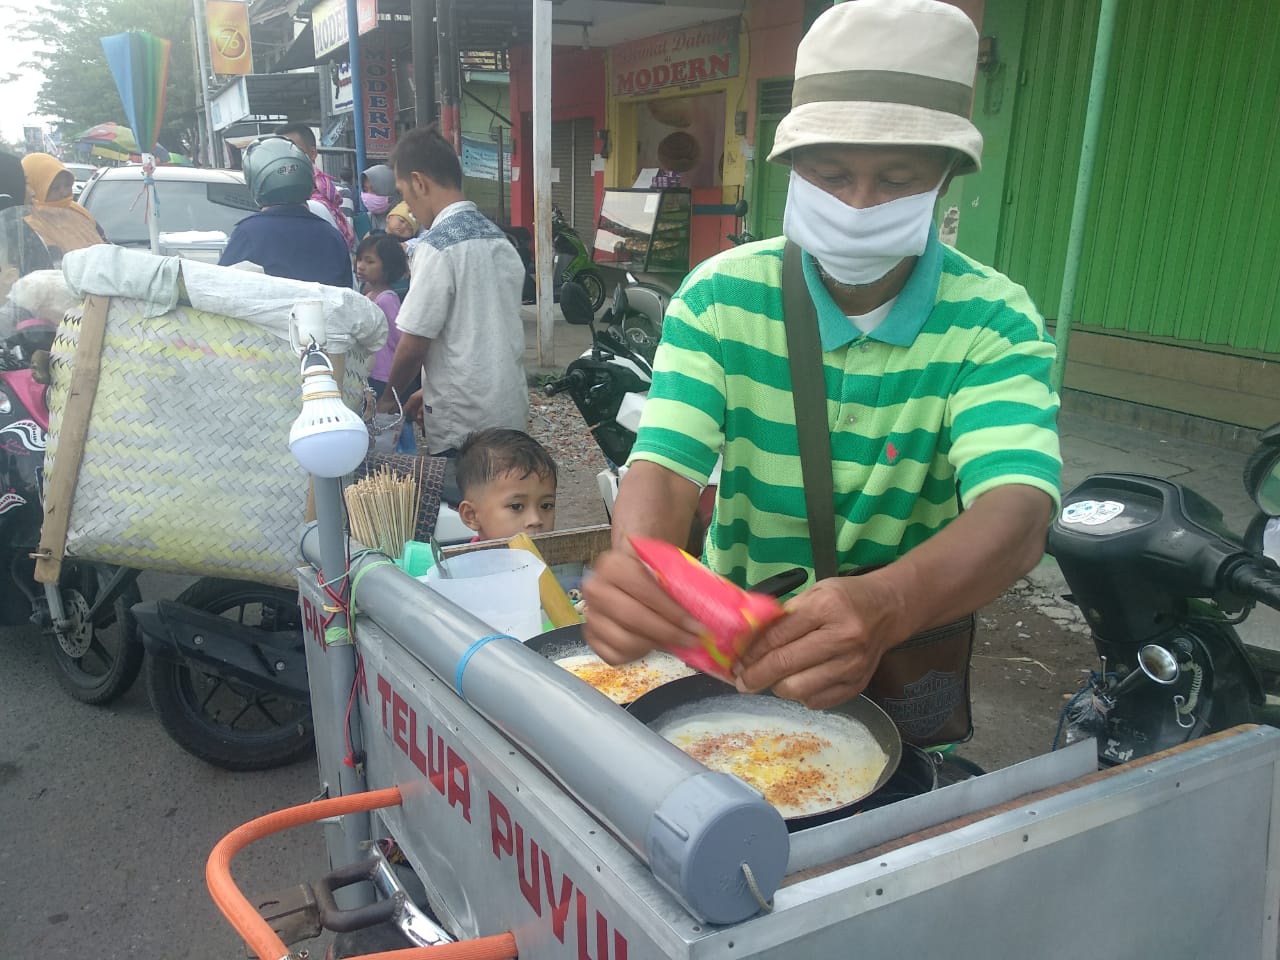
(530, 803)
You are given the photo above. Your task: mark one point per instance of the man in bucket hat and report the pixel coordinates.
(937, 375)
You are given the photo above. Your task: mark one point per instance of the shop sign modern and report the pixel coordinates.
(329, 26)
(378, 91)
(677, 59)
(329, 22)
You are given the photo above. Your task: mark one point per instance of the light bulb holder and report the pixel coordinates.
(328, 439)
(307, 330)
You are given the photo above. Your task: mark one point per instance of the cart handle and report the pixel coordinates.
(258, 934)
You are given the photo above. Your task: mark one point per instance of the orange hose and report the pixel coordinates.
(500, 946)
(246, 920)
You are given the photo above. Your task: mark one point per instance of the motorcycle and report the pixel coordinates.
(607, 383)
(1163, 583)
(94, 620)
(571, 262)
(227, 672)
(610, 381)
(90, 637)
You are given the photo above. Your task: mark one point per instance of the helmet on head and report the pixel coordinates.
(276, 172)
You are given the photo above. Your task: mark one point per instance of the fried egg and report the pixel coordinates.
(626, 683)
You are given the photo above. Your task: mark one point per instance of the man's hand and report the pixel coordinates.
(406, 364)
(629, 614)
(413, 408)
(828, 646)
(825, 650)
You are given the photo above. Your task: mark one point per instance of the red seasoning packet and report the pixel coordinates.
(730, 616)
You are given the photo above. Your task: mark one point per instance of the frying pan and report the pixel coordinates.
(702, 696)
(562, 643)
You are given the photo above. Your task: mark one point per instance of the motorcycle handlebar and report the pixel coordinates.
(574, 378)
(1256, 582)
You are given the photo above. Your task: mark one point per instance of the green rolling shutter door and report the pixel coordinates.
(1184, 219)
(771, 178)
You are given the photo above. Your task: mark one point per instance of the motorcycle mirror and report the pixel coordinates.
(1263, 537)
(1262, 472)
(575, 305)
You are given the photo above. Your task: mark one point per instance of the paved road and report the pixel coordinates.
(105, 826)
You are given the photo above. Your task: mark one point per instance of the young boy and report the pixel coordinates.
(508, 484)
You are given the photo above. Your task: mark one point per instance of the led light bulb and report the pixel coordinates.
(328, 439)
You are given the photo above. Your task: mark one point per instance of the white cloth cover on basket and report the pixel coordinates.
(265, 301)
(186, 466)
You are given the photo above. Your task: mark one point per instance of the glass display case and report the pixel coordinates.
(644, 231)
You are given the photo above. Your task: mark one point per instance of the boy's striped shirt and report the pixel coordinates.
(951, 390)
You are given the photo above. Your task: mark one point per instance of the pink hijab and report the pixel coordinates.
(327, 194)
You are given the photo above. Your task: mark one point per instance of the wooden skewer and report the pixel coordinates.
(383, 509)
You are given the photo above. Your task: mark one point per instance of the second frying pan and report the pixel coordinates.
(715, 709)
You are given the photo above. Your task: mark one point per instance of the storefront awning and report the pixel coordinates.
(295, 96)
(302, 53)
(392, 23)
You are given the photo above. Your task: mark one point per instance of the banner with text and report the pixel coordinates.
(230, 50)
(329, 23)
(378, 93)
(480, 159)
(680, 58)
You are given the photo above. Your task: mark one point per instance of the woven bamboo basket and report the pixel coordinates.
(186, 465)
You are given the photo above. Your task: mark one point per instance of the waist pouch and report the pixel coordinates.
(923, 684)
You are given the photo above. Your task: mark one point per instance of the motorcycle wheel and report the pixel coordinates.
(593, 284)
(231, 724)
(97, 662)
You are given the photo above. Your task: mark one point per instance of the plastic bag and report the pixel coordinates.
(729, 615)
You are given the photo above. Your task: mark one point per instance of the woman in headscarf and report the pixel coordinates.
(326, 196)
(378, 194)
(62, 223)
(21, 251)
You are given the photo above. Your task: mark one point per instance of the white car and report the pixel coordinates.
(82, 172)
(199, 207)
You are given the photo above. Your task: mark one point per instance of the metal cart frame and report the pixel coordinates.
(1176, 857)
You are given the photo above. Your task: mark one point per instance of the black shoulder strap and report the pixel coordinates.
(809, 394)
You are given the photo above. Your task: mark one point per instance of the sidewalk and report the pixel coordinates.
(569, 342)
(1090, 445)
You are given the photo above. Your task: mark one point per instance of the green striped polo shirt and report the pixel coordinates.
(951, 393)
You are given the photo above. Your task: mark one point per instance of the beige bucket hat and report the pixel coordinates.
(885, 72)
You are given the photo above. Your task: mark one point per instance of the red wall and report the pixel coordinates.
(776, 27)
(577, 90)
(775, 31)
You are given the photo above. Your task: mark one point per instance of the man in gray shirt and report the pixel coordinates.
(461, 318)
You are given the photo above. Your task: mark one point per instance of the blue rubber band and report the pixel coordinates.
(471, 651)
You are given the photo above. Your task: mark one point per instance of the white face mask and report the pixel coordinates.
(853, 246)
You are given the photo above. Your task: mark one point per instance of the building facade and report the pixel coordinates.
(1176, 305)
